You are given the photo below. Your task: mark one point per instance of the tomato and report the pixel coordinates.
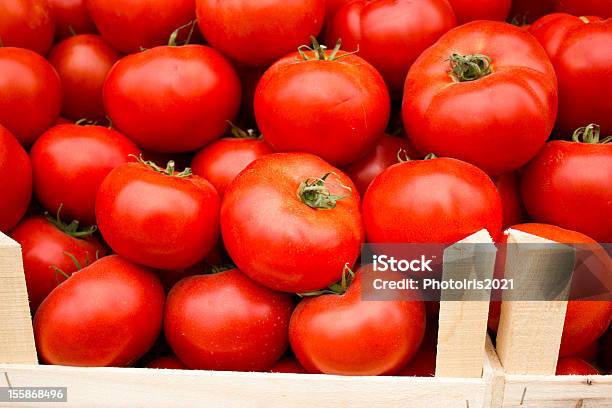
(82, 62)
(235, 28)
(52, 250)
(433, 201)
(63, 178)
(26, 24)
(173, 218)
(343, 334)
(467, 11)
(332, 7)
(30, 94)
(527, 11)
(15, 180)
(291, 222)
(71, 17)
(605, 350)
(561, 187)
(422, 365)
(221, 161)
(575, 366)
(172, 99)
(107, 314)
(167, 362)
(580, 52)
(509, 187)
(589, 353)
(454, 115)
(132, 25)
(288, 365)
(601, 8)
(206, 331)
(339, 118)
(390, 35)
(384, 154)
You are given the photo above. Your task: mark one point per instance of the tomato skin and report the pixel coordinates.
(509, 187)
(63, 178)
(559, 187)
(235, 27)
(423, 364)
(431, 201)
(30, 94)
(168, 362)
(528, 11)
(589, 353)
(107, 314)
(45, 246)
(497, 137)
(208, 332)
(575, 366)
(467, 10)
(339, 120)
(391, 35)
(15, 180)
(288, 365)
(202, 86)
(71, 15)
(174, 221)
(131, 25)
(374, 338)
(26, 24)
(601, 8)
(384, 154)
(82, 62)
(221, 161)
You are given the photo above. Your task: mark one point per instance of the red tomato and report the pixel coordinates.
(589, 353)
(108, 314)
(339, 118)
(206, 331)
(82, 62)
(391, 34)
(601, 8)
(172, 99)
(332, 7)
(132, 25)
(71, 17)
(288, 365)
(50, 250)
(173, 217)
(435, 201)
(289, 222)
(605, 350)
(581, 54)
(30, 94)
(26, 24)
(422, 365)
(63, 178)
(575, 366)
(15, 180)
(569, 184)
(469, 10)
(387, 152)
(342, 334)
(509, 187)
(235, 28)
(167, 362)
(527, 11)
(221, 161)
(454, 114)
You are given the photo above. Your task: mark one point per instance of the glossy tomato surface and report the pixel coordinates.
(26, 24)
(15, 180)
(470, 10)
(509, 187)
(575, 366)
(71, 17)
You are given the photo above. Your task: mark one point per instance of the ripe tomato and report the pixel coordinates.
(575, 366)
(391, 34)
(448, 108)
(580, 52)
(173, 217)
(509, 187)
(15, 180)
(605, 351)
(30, 94)
(172, 99)
(568, 184)
(63, 178)
(525, 12)
(339, 118)
(26, 24)
(225, 321)
(342, 334)
(132, 25)
(291, 222)
(51, 249)
(601, 8)
(82, 62)
(221, 161)
(387, 152)
(71, 17)
(107, 314)
(167, 362)
(288, 365)
(467, 10)
(332, 7)
(589, 353)
(235, 28)
(435, 201)
(422, 365)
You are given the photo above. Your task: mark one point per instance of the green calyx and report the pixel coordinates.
(173, 41)
(239, 133)
(402, 156)
(590, 134)
(72, 229)
(338, 288)
(430, 156)
(170, 169)
(465, 68)
(320, 51)
(315, 194)
(108, 123)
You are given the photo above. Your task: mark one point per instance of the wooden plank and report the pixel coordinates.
(16, 335)
(463, 323)
(494, 376)
(529, 333)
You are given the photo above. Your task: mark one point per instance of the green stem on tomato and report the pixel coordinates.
(472, 67)
(590, 134)
(315, 194)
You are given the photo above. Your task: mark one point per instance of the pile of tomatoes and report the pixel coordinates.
(156, 231)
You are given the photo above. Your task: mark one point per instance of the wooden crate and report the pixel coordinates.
(468, 373)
